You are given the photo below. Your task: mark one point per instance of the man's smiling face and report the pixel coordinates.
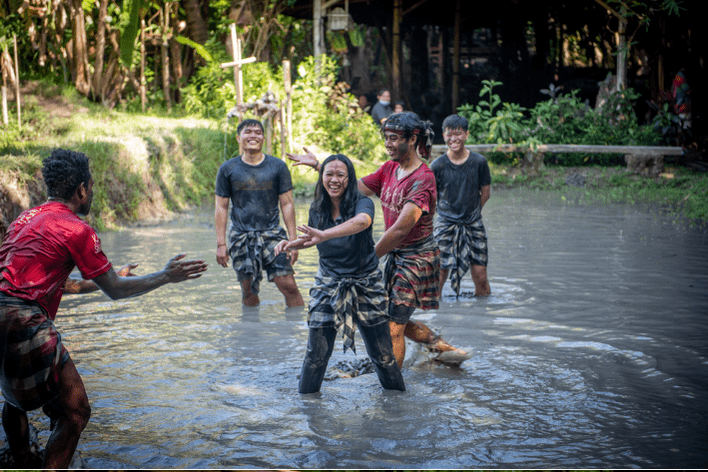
(251, 138)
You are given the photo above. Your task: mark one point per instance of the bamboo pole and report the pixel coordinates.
(5, 118)
(396, 48)
(17, 87)
(289, 102)
(456, 58)
(143, 91)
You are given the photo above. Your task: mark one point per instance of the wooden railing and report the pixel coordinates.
(644, 160)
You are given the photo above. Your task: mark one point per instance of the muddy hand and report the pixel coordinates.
(178, 270)
(307, 159)
(127, 270)
(222, 256)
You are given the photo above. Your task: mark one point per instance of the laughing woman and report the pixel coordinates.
(348, 286)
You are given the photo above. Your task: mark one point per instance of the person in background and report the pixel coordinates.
(398, 108)
(41, 248)
(382, 109)
(364, 104)
(463, 183)
(348, 287)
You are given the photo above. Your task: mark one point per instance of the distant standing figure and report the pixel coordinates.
(463, 183)
(382, 109)
(364, 103)
(41, 248)
(348, 287)
(256, 184)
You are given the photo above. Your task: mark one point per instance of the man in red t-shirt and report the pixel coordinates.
(406, 187)
(41, 248)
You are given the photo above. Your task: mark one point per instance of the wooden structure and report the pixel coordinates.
(437, 52)
(391, 14)
(643, 160)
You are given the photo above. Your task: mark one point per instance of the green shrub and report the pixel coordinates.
(563, 119)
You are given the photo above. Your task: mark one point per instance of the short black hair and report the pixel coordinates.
(455, 122)
(64, 171)
(249, 122)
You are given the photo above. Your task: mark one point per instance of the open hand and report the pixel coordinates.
(307, 159)
(178, 270)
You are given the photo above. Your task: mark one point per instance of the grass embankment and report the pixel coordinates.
(146, 167)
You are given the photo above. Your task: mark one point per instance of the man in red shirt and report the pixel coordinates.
(41, 248)
(406, 187)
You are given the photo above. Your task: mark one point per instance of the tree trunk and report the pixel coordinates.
(80, 56)
(165, 58)
(97, 83)
(197, 28)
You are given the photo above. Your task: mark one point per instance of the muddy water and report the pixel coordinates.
(591, 352)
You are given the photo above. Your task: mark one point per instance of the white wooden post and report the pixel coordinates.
(236, 64)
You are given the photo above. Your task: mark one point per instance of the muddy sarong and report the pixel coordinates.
(461, 246)
(31, 354)
(412, 275)
(253, 251)
(344, 301)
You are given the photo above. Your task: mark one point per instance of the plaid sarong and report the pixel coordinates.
(344, 301)
(253, 251)
(412, 275)
(461, 246)
(31, 354)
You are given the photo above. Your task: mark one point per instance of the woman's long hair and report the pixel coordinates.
(321, 207)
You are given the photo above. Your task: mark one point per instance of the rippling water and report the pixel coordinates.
(591, 352)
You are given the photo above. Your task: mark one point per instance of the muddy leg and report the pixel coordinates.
(320, 345)
(378, 344)
(420, 333)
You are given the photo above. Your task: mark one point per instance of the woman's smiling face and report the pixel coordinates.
(335, 179)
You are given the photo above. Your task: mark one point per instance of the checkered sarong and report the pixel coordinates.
(31, 354)
(252, 251)
(345, 301)
(412, 275)
(461, 246)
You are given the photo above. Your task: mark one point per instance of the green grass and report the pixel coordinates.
(679, 192)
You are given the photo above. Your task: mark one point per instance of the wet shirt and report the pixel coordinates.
(348, 256)
(459, 186)
(41, 248)
(254, 191)
(418, 188)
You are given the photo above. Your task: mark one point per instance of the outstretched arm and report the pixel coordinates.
(76, 285)
(313, 236)
(394, 235)
(175, 271)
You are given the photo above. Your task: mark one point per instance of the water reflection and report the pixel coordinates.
(591, 351)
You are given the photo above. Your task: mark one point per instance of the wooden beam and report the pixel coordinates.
(414, 6)
(456, 57)
(396, 48)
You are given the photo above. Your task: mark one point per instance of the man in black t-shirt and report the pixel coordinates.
(463, 183)
(256, 184)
